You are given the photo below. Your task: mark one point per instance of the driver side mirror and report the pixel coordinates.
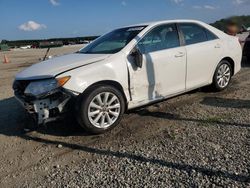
(137, 57)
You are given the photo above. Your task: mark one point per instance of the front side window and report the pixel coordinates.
(160, 38)
(194, 33)
(112, 42)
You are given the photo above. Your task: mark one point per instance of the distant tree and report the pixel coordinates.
(4, 41)
(241, 20)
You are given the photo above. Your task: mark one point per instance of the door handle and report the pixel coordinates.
(217, 46)
(180, 54)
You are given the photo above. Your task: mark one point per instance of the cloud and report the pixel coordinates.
(124, 3)
(239, 2)
(197, 7)
(177, 1)
(54, 2)
(209, 7)
(32, 26)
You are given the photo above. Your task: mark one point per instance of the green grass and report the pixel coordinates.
(213, 119)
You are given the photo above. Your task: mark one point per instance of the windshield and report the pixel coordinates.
(112, 42)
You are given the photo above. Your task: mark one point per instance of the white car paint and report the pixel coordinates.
(187, 67)
(156, 78)
(169, 78)
(57, 65)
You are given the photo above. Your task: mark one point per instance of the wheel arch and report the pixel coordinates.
(229, 60)
(113, 83)
(232, 63)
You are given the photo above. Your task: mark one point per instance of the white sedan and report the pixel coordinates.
(128, 68)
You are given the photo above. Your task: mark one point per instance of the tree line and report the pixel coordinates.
(65, 41)
(240, 20)
(220, 24)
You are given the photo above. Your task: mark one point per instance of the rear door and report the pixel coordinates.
(203, 54)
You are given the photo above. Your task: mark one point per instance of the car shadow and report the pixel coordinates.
(12, 117)
(175, 117)
(226, 103)
(13, 121)
(140, 158)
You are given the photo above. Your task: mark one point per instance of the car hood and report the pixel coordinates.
(57, 65)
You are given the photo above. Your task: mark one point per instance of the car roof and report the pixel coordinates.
(163, 22)
(217, 32)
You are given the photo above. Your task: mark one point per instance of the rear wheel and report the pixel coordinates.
(101, 109)
(248, 59)
(222, 76)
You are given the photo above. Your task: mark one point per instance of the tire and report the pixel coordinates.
(248, 59)
(97, 116)
(222, 76)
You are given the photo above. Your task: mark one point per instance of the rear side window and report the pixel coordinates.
(194, 33)
(160, 38)
(210, 35)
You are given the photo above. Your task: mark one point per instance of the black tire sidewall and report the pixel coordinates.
(84, 102)
(248, 59)
(215, 83)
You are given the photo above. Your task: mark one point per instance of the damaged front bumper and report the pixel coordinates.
(49, 107)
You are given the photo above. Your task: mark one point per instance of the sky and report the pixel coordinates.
(41, 19)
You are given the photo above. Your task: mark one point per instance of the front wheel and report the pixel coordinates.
(222, 76)
(101, 109)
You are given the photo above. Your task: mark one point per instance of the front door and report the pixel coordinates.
(163, 71)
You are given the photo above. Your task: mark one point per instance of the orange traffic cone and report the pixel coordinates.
(6, 59)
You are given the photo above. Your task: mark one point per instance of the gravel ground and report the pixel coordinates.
(200, 139)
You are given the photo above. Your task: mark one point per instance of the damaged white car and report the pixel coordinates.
(128, 68)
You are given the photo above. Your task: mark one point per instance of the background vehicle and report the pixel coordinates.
(128, 68)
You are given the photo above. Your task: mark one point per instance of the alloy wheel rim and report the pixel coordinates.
(223, 75)
(104, 110)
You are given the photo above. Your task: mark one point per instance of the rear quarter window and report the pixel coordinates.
(210, 35)
(194, 33)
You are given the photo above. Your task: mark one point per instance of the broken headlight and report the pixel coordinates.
(42, 87)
